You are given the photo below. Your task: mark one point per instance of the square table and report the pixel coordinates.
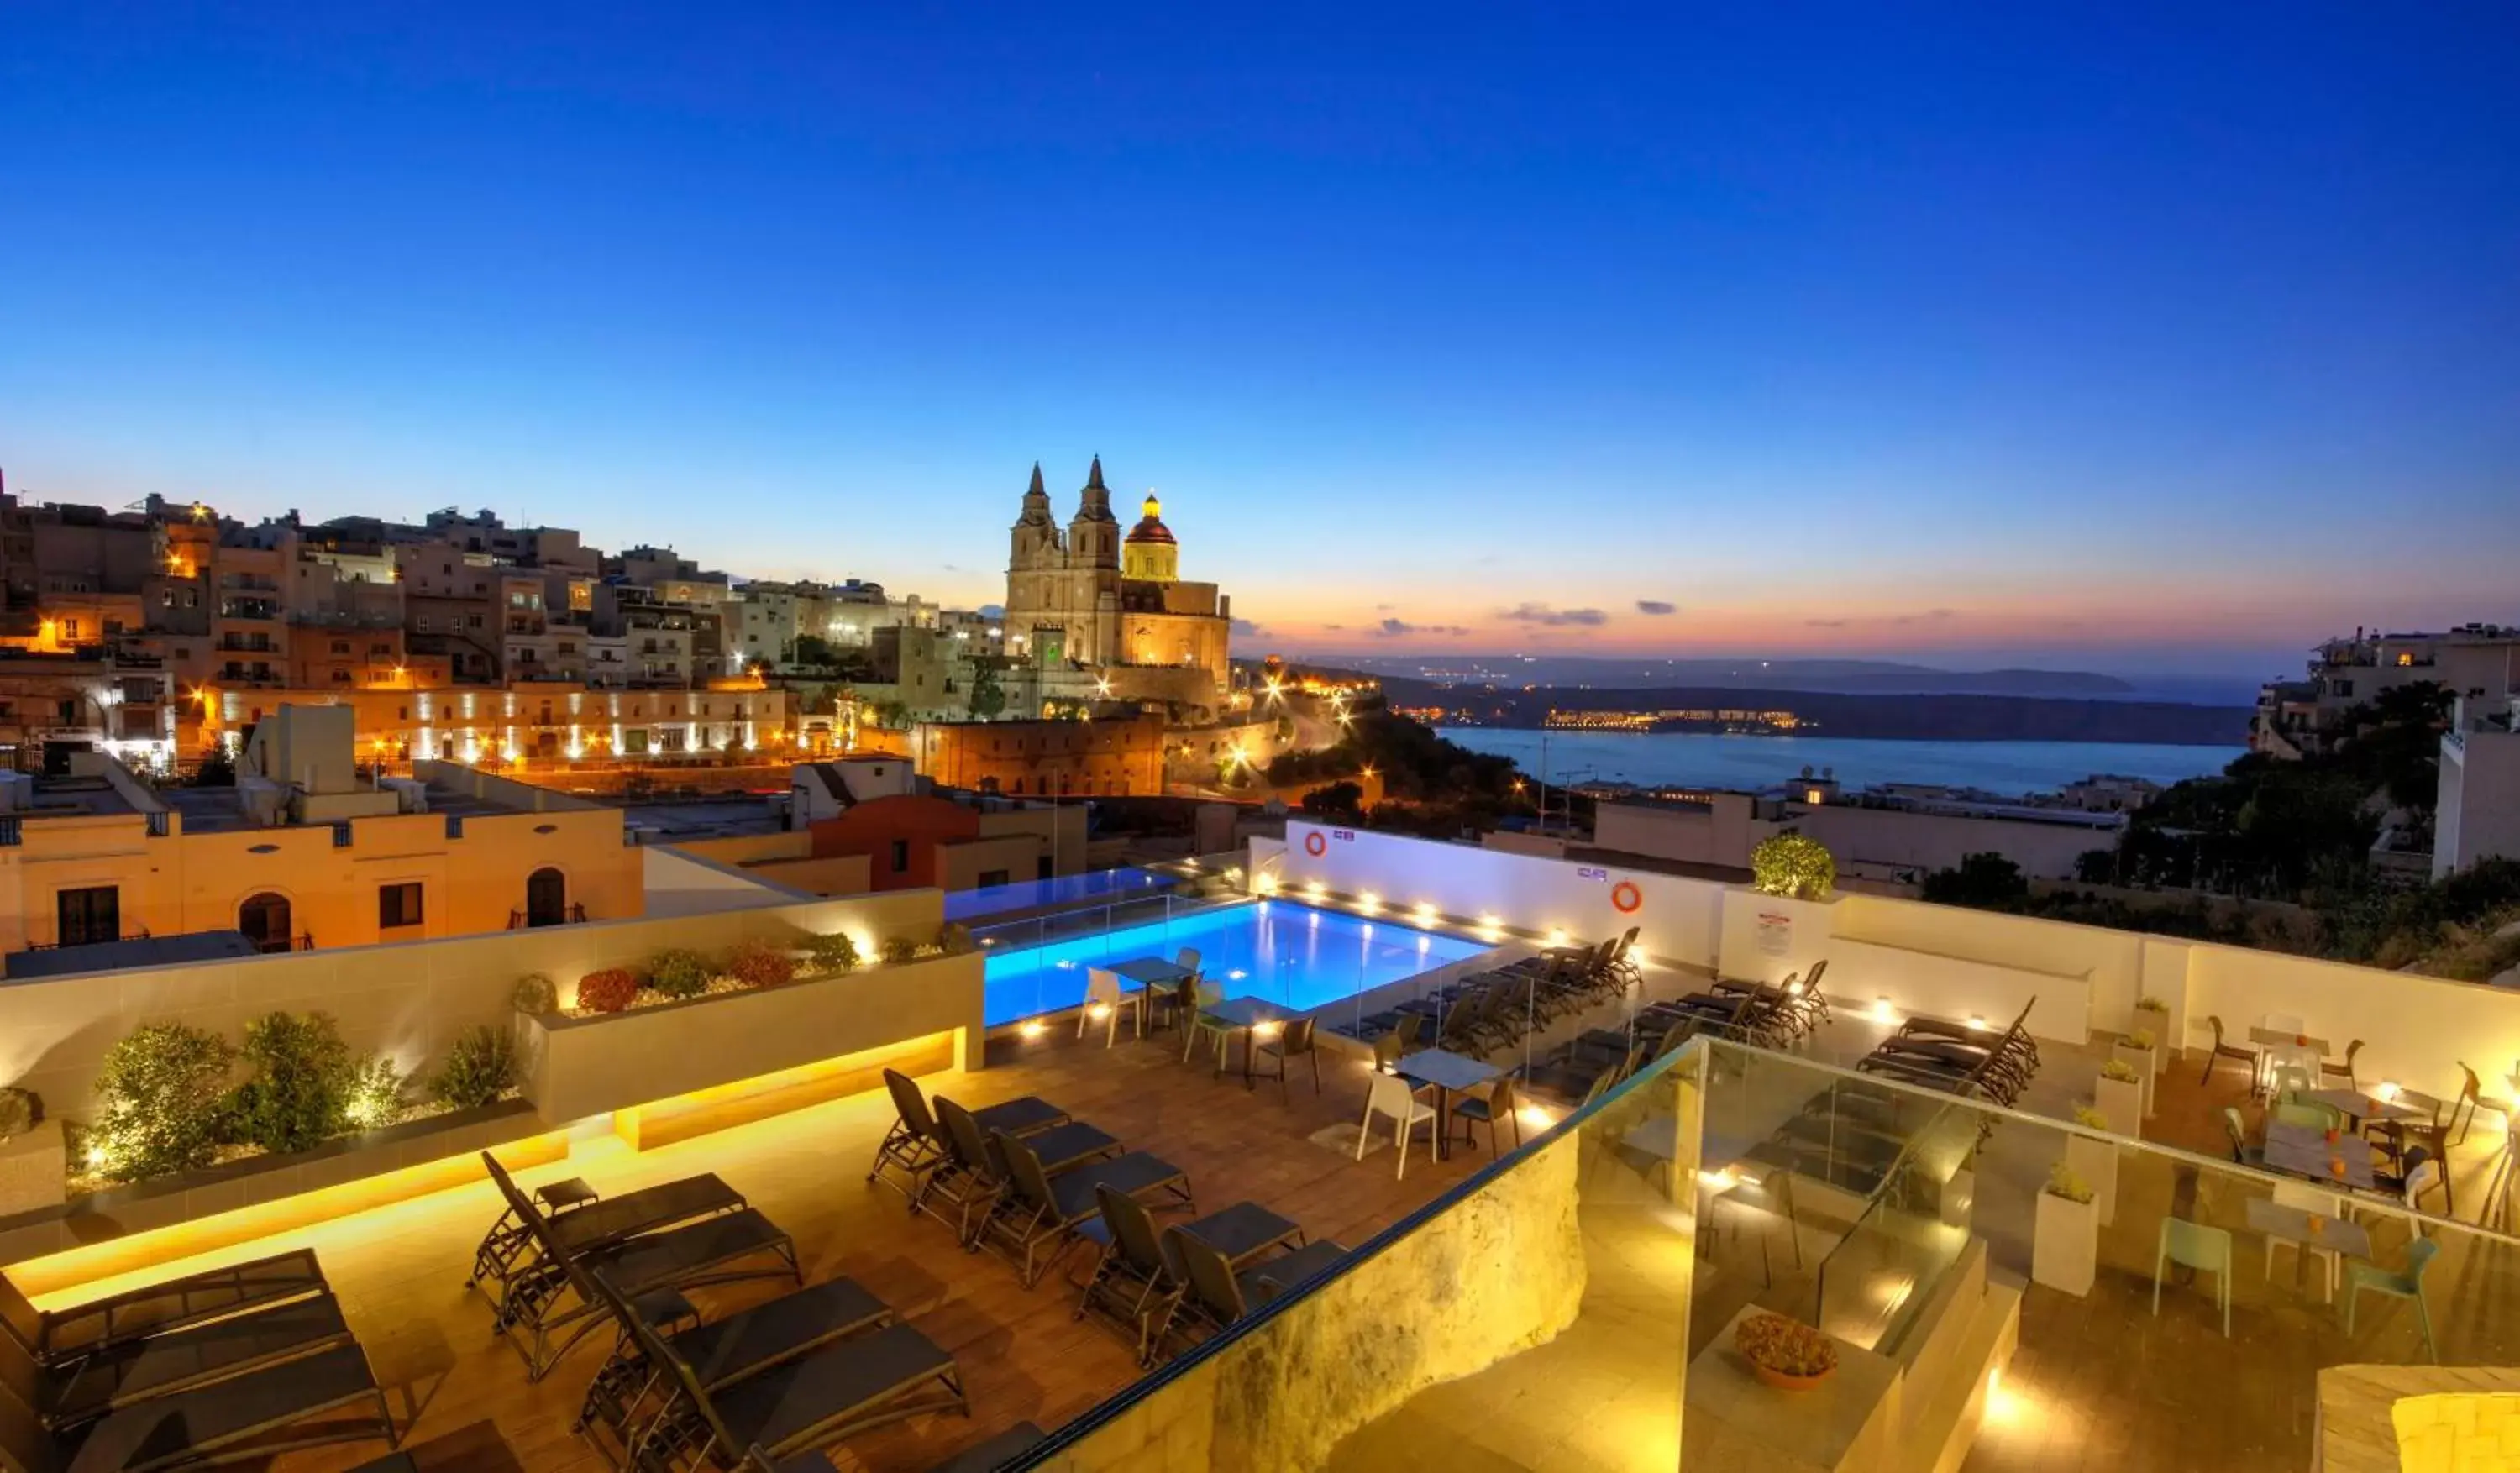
(2274, 1046)
(1243, 1015)
(2294, 1226)
(2304, 1152)
(2358, 1106)
(1149, 973)
(1450, 1074)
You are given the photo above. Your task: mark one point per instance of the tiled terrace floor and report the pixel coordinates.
(400, 1269)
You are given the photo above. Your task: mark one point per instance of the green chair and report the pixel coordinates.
(2359, 1276)
(2238, 1130)
(2196, 1246)
(1203, 1026)
(2310, 1113)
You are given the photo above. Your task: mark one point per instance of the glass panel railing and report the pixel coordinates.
(1559, 1309)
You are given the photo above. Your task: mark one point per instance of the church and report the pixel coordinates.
(1099, 614)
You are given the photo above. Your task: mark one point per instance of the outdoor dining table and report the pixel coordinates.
(2277, 1046)
(2307, 1229)
(1450, 1074)
(1150, 974)
(1246, 1016)
(2357, 1106)
(2303, 1151)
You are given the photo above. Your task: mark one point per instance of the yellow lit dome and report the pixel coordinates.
(1150, 527)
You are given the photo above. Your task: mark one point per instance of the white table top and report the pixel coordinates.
(2294, 1225)
(2305, 1152)
(1446, 1071)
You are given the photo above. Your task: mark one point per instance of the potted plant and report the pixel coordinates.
(1784, 1353)
(2066, 1241)
(2152, 1015)
(2090, 1155)
(2137, 1050)
(2119, 1095)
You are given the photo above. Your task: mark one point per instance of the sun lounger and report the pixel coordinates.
(589, 1221)
(1042, 1212)
(723, 1351)
(915, 1145)
(242, 1418)
(973, 1181)
(1215, 1293)
(542, 1315)
(56, 1335)
(137, 1370)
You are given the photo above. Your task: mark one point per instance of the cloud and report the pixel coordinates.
(1929, 616)
(1385, 607)
(1393, 628)
(1922, 616)
(1825, 623)
(1657, 608)
(1541, 613)
(1246, 626)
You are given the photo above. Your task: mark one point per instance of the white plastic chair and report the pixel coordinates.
(2291, 1081)
(2426, 1176)
(2287, 1023)
(1391, 1095)
(1186, 959)
(2326, 1204)
(1103, 988)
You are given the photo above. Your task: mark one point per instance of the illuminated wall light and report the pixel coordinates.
(1314, 889)
(1718, 1181)
(2385, 1090)
(1883, 1013)
(1265, 1030)
(1034, 1029)
(1977, 1020)
(1536, 1117)
(1368, 901)
(1424, 915)
(1557, 936)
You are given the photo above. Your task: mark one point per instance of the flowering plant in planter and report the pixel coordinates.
(608, 990)
(2149, 1004)
(2120, 1070)
(2065, 1181)
(2090, 1117)
(2141, 1038)
(1785, 1352)
(754, 964)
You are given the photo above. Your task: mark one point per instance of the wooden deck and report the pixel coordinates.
(400, 1269)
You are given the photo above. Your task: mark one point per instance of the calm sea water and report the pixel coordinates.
(1695, 760)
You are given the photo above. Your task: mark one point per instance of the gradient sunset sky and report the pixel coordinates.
(2114, 336)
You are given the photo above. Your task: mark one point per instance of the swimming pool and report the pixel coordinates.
(1292, 954)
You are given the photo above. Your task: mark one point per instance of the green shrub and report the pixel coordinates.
(2120, 1070)
(2090, 1117)
(899, 949)
(1795, 867)
(297, 1093)
(834, 953)
(754, 964)
(19, 1110)
(2064, 1182)
(952, 939)
(2141, 1038)
(535, 993)
(160, 1103)
(678, 973)
(608, 990)
(374, 1099)
(478, 1069)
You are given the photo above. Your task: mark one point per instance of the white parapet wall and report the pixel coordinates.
(1943, 960)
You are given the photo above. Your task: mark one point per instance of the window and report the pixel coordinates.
(340, 647)
(900, 855)
(397, 905)
(88, 916)
(992, 877)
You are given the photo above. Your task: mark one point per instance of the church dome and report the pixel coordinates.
(1150, 527)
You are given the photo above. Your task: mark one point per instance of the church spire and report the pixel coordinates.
(1093, 477)
(1036, 481)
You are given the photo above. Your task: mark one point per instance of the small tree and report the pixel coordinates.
(1334, 799)
(1795, 867)
(988, 698)
(478, 1069)
(298, 1096)
(1987, 881)
(160, 1102)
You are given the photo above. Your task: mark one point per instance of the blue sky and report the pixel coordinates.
(2109, 335)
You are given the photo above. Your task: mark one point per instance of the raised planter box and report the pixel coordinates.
(2146, 1064)
(2122, 1100)
(2094, 1159)
(579, 1067)
(2065, 1244)
(350, 1174)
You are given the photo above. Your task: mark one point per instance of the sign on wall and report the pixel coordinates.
(1776, 933)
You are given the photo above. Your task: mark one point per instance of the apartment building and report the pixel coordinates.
(544, 721)
(2476, 815)
(2294, 717)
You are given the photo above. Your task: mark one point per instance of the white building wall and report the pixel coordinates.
(2478, 812)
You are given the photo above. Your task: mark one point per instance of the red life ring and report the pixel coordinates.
(1315, 845)
(1626, 898)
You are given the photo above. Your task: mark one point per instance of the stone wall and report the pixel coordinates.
(1499, 1272)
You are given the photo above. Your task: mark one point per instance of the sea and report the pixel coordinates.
(1686, 759)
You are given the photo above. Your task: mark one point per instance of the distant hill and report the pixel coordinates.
(1847, 677)
(1941, 717)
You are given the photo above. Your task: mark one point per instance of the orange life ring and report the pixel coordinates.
(1315, 845)
(1626, 898)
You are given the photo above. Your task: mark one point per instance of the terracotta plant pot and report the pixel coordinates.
(1785, 1382)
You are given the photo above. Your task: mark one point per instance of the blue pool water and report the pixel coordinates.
(1290, 955)
(1029, 894)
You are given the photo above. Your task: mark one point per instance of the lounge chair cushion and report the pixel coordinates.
(1062, 1148)
(160, 1433)
(1241, 1230)
(1137, 1173)
(813, 1398)
(164, 1363)
(766, 1334)
(642, 1211)
(659, 1259)
(991, 1456)
(1017, 1117)
(1286, 1272)
(147, 1311)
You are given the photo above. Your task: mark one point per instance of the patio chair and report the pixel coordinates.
(249, 1416)
(77, 1391)
(1293, 1041)
(721, 1352)
(543, 1314)
(2196, 1246)
(916, 1144)
(1103, 990)
(1493, 1109)
(2289, 1082)
(2239, 1131)
(1203, 1024)
(1391, 1095)
(2343, 1067)
(2360, 1278)
(56, 1336)
(1186, 959)
(978, 1185)
(1042, 1213)
(2468, 1095)
(835, 1391)
(2221, 1050)
(1131, 1286)
(2423, 1177)
(2307, 1112)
